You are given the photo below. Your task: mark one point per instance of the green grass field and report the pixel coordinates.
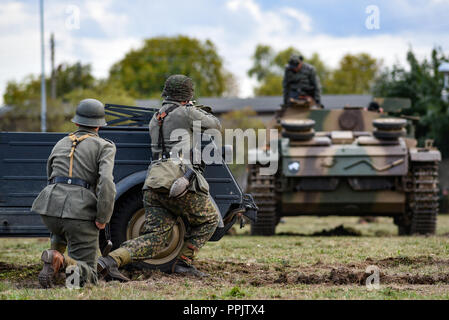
(291, 265)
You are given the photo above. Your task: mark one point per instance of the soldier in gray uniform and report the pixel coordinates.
(161, 209)
(301, 82)
(79, 198)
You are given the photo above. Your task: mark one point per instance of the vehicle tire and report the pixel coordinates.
(127, 223)
(298, 125)
(389, 135)
(389, 123)
(299, 135)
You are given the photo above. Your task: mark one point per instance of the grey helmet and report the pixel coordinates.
(178, 88)
(90, 113)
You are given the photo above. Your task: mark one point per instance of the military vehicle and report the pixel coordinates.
(23, 176)
(348, 162)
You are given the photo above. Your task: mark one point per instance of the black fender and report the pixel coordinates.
(129, 182)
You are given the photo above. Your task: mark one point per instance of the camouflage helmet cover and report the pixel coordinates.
(90, 113)
(178, 88)
(295, 59)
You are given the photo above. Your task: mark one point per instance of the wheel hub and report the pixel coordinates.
(174, 244)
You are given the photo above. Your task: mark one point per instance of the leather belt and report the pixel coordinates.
(67, 180)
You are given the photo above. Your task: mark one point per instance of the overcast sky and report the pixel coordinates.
(107, 29)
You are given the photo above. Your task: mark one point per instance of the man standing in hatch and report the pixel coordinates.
(301, 82)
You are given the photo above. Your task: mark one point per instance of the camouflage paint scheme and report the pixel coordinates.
(343, 170)
(161, 213)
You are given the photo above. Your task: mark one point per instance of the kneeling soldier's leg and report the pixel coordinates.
(203, 219)
(53, 260)
(58, 243)
(159, 223)
(82, 237)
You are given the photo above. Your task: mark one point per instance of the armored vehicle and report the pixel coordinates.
(348, 162)
(23, 176)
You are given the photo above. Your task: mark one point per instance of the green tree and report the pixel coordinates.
(105, 91)
(270, 86)
(74, 82)
(355, 75)
(262, 62)
(143, 72)
(268, 68)
(25, 99)
(422, 84)
(71, 77)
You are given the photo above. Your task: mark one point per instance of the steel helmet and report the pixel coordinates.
(90, 113)
(178, 88)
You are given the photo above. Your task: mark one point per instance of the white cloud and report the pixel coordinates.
(103, 53)
(248, 5)
(107, 34)
(304, 20)
(19, 43)
(21, 53)
(272, 27)
(113, 24)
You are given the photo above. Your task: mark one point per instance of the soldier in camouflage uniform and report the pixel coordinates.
(161, 210)
(79, 198)
(300, 80)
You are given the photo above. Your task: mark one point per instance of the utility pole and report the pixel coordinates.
(444, 69)
(53, 72)
(43, 94)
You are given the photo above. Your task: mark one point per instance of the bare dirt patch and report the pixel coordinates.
(258, 275)
(345, 276)
(403, 260)
(320, 273)
(24, 276)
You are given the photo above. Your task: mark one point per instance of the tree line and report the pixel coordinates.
(141, 74)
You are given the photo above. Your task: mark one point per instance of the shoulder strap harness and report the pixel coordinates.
(75, 141)
(160, 116)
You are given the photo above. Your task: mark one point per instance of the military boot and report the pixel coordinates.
(107, 269)
(182, 267)
(53, 261)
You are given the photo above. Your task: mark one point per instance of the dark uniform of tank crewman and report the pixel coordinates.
(300, 81)
(161, 209)
(79, 198)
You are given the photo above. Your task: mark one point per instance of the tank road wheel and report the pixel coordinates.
(262, 189)
(127, 223)
(298, 125)
(389, 134)
(389, 128)
(422, 199)
(299, 135)
(389, 123)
